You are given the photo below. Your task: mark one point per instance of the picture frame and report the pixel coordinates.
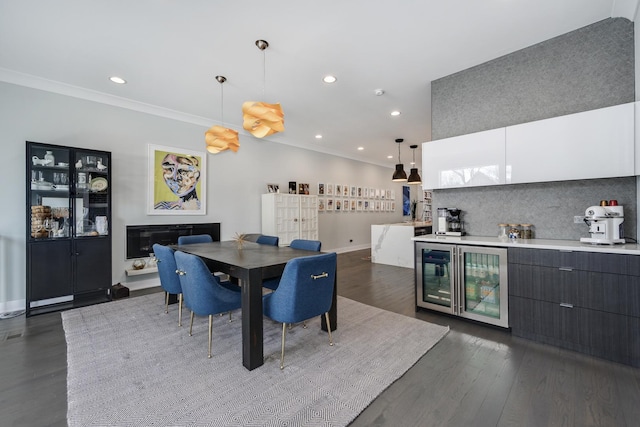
(338, 190)
(321, 205)
(354, 191)
(345, 190)
(273, 188)
(345, 204)
(338, 205)
(329, 206)
(293, 187)
(320, 189)
(303, 188)
(329, 189)
(166, 195)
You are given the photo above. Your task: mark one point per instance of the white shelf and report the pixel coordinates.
(146, 270)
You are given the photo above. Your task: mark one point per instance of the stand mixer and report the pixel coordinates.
(605, 225)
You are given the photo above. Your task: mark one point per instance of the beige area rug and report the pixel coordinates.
(129, 364)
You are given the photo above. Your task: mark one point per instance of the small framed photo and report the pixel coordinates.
(359, 192)
(365, 192)
(360, 204)
(366, 205)
(345, 203)
(345, 190)
(372, 205)
(292, 187)
(321, 205)
(388, 195)
(273, 188)
(338, 205)
(303, 188)
(320, 189)
(329, 204)
(338, 190)
(354, 191)
(329, 189)
(353, 205)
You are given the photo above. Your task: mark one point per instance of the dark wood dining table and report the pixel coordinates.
(252, 264)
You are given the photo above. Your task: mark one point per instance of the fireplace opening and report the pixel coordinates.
(141, 238)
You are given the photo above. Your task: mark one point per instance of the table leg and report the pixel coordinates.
(333, 311)
(252, 339)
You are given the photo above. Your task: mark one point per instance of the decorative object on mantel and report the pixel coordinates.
(139, 264)
(259, 118)
(219, 138)
(240, 239)
(399, 175)
(414, 177)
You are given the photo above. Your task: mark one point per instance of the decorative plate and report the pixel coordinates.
(99, 184)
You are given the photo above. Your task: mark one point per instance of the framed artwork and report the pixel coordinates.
(292, 187)
(388, 195)
(320, 205)
(372, 193)
(273, 188)
(338, 190)
(354, 191)
(345, 203)
(360, 204)
(303, 188)
(372, 205)
(366, 205)
(329, 189)
(383, 193)
(329, 204)
(353, 205)
(338, 205)
(320, 189)
(345, 190)
(359, 192)
(365, 192)
(177, 181)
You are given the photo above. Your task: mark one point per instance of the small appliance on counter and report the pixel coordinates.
(450, 222)
(605, 223)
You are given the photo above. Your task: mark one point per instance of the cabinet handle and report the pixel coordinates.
(566, 305)
(565, 269)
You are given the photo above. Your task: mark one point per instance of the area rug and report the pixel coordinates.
(130, 364)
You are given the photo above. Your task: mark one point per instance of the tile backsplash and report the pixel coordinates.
(549, 206)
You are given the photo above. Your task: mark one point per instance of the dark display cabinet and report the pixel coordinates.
(68, 227)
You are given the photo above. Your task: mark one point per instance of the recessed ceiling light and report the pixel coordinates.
(389, 157)
(329, 79)
(118, 80)
(395, 113)
(318, 136)
(360, 148)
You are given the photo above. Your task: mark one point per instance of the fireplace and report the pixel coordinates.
(141, 238)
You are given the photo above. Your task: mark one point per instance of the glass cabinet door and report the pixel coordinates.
(436, 273)
(48, 194)
(91, 201)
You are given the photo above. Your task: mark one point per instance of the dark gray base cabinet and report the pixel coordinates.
(582, 301)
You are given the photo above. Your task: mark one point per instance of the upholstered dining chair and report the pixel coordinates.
(194, 238)
(204, 294)
(305, 291)
(306, 245)
(268, 240)
(169, 280)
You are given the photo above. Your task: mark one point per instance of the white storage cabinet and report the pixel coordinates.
(290, 216)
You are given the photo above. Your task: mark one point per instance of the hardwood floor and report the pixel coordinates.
(476, 376)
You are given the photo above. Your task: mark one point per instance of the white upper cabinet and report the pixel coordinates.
(471, 160)
(592, 144)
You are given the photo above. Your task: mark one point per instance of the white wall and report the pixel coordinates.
(235, 181)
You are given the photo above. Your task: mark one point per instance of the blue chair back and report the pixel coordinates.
(194, 238)
(202, 291)
(305, 290)
(268, 240)
(306, 245)
(169, 279)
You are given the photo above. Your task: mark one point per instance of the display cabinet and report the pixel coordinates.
(290, 216)
(68, 227)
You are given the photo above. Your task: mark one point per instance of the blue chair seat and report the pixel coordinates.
(306, 245)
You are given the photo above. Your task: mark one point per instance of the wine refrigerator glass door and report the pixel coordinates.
(435, 272)
(483, 284)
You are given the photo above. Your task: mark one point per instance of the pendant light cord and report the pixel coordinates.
(222, 103)
(264, 72)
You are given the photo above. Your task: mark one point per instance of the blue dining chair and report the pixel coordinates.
(268, 240)
(169, 280)
(305, 245)
(203, 292)
(194, 238)
(305, 291)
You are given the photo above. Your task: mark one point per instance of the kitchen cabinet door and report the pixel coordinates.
(471, 160)
(588, 145)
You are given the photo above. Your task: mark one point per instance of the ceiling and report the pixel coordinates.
(170, 52)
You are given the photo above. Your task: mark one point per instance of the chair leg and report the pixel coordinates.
(166, 302)
(229, 317)
(191, 325)
(326, 316)
(179, 309)
(284, 333)
(210, 330)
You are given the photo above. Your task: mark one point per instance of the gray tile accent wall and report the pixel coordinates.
(549, 206)
(590, 68)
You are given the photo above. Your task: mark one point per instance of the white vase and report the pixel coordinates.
(50, 158)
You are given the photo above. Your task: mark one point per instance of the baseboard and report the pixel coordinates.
(10, 306)
(348, 249)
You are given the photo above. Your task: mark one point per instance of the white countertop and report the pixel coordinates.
(566, 245)
(408, 224)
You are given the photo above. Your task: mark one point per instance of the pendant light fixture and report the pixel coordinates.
(259, 118)
(399, 175)
(220, 138)
(414, 177)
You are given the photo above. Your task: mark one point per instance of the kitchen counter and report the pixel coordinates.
(391, 243)
(563, 245)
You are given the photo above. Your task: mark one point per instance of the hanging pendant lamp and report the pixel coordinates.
(399, 175)
(219, 138)
(259, 118)
(414, 177)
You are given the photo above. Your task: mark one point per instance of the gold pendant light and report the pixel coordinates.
(414, 177)
(220, 138)
(399, 175)
(259, 118)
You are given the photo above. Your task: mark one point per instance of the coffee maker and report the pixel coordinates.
(605, 225)
(450, 222)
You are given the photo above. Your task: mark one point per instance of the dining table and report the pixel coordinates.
(251, 263)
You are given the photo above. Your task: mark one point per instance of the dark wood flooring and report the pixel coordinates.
(476, 376)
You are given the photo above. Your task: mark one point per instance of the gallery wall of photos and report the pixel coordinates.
(354, 198)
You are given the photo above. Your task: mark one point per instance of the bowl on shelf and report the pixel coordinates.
(139, 264)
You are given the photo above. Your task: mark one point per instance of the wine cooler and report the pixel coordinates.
(462, 280)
